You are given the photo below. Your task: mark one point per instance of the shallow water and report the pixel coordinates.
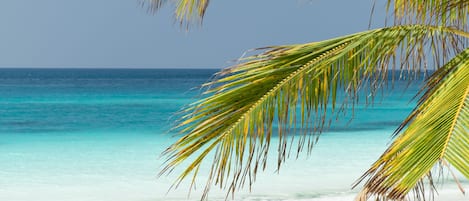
(90, 134)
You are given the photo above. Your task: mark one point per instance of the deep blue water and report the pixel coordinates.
(79, 100)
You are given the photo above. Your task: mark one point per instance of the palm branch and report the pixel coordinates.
(436, 133)
(285, 85)
(185, 10)
(443, 12)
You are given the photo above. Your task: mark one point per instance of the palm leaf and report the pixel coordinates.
(443, 12)
(436, 133)
(285, 85)
(185, 10)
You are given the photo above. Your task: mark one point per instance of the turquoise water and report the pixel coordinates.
(95, 134)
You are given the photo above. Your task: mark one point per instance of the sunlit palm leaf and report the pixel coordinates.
(435, 133)
(445, 12)
(185, 10)
(235, 120)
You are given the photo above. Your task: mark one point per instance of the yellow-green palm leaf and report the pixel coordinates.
(289, 86)
(435, 133)
(185, 10)
(445, 12)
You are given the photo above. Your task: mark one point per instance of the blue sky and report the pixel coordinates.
(121, 34)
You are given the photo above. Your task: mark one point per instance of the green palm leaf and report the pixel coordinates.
(185, 10)
(435, 133)
(445, 12)
(235, 120)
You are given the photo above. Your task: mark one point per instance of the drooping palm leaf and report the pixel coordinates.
(437, 132)
(235, 120)
(185, 10)
(443, 12)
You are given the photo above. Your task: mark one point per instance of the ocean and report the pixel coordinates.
(97, 135)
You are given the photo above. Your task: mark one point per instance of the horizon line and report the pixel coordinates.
(117, 68)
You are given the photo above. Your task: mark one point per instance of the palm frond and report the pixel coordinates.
(441, 12)
(185, 10)
(291, 87)
(434, 134)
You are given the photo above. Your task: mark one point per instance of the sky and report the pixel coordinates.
(122, 34)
